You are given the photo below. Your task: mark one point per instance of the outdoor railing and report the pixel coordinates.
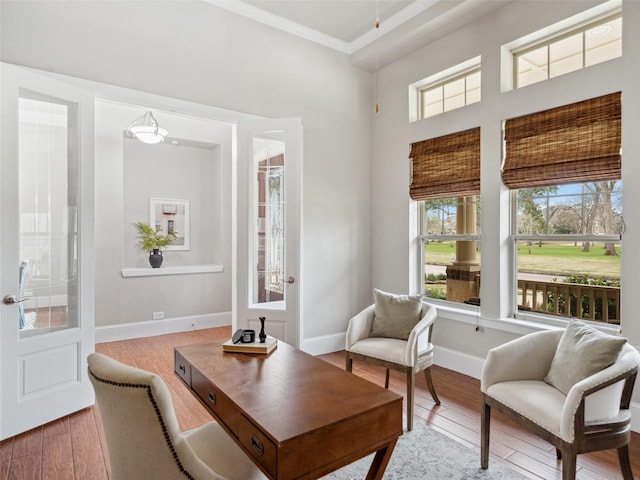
(589, 302)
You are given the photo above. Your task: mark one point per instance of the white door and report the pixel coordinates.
(46, 249)
(267, 242)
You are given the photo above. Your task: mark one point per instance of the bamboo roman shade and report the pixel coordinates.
(569, 144)
(447, 166)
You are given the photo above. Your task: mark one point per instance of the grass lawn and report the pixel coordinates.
(550, 259)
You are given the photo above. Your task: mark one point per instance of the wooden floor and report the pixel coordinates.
(73, 447)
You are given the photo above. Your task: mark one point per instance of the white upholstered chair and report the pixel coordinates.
(592, 415)
(143, 436)
(410, 356)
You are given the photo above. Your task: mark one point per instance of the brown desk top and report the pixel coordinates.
(289, 392)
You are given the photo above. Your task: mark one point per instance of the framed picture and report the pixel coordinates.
(171, 215)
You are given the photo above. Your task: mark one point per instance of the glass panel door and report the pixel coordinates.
(47, 208)
(269, 221)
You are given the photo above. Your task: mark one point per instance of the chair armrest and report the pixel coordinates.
(359, 326)
(525, 358)
(419, 336)
(594, 386)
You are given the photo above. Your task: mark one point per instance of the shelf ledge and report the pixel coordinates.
(183, 270)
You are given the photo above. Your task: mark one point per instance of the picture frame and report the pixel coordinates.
(171, 215)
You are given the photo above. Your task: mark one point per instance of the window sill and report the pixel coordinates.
(183, 270)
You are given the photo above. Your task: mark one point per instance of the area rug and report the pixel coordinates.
(426, 454)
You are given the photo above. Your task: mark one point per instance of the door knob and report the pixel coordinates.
(12, 299)
(290, 280)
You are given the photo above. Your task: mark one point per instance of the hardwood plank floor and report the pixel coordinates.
(73, 447)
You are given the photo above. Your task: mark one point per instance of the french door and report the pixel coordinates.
(267, 247)
(46, 249)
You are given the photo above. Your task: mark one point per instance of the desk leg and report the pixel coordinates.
(380, 461)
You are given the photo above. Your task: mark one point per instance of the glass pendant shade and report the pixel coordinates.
(147, 130)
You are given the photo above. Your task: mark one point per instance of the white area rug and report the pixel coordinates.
(426, 454)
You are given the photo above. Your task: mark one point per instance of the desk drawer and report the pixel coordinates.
(216, 401)
(182, 368)
(259, 446)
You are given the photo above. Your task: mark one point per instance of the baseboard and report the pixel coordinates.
(151, 328)
(323, 344)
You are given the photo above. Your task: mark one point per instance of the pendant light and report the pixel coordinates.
(146, 129)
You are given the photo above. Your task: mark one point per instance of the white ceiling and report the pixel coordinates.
(348, 26)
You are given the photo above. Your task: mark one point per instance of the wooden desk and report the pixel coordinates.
(295, 415)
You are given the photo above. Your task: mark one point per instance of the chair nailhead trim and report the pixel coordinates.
(165, 432)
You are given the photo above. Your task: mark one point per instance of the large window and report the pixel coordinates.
(568, 250)
(570, 50)
(446, 182)
(450, 247)
(563, 167)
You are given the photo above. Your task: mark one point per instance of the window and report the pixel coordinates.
(450, 94)
(563, 167)
(447, 90)
(568, 250)
(446, 181)
(571, 50)
(449, 239)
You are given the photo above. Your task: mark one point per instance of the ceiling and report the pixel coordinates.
(348, 26)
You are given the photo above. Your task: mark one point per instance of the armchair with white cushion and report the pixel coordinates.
(592, 415)
(411, 356)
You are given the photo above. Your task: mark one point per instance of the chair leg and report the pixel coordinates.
(485, 423)
(625, 464)
(349, 362)
(411, 382)
(432, 389)
(386, 379)
(569, 460)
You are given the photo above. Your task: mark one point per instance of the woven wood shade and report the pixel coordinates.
(447, 166)
(570, 144)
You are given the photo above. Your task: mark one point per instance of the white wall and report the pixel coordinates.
(196, 52)
(458, 342)
(198, 299)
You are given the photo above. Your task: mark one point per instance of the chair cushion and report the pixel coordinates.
(581, 352)
(533, 399)
(213, 446)
(391, 350)
(395, 315)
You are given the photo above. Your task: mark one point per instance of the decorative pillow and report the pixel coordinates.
(582, 351)
(395, 315)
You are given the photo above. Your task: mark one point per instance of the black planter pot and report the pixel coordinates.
(155, 258)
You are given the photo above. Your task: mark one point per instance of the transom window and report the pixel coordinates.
(453, 88)
(571, 50)
(451, 93)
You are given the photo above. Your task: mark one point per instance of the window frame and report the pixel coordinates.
(423, 240)
(536, 316)
(549, 40)
(441, 84)
(415, 97)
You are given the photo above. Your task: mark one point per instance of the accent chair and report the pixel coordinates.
(571, 388)
(142, 433)
(374, 336)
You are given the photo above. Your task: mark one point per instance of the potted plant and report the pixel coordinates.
(152, 241)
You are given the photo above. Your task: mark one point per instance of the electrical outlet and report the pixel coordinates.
(157, 315)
